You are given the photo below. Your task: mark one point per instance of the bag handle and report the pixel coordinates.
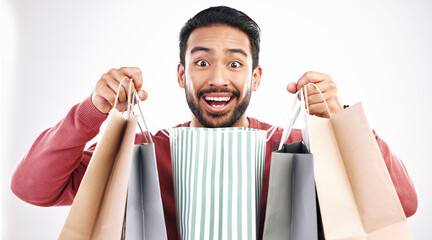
(322, 96)
(129, 97)
(131, 100)
(137, 102)
(295, 110)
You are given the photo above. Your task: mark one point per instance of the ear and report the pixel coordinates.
(181, 75)
(256, 78)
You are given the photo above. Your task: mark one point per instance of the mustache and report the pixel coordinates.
(218, 90)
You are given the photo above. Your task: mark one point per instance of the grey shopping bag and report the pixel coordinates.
(291, 202)
(144, 210)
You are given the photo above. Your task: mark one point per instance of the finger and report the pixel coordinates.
(105, 92)
(311, 77)
(134, 73)
(113, 78)
(319, 109)
(125, 81)
(101, 103)
(325, 98)
(292, 87)
(114, 84)
(142, 94)
(322, 87)
(121, 107)
(331, 101)
(314, 99)
(126, 84)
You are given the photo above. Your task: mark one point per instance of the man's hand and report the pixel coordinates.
(105, 92)
(328, 88)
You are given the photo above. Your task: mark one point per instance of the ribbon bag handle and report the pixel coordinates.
(295, 110)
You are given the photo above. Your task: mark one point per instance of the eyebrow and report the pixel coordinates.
(237, 50)
(198, 49)
(231, 50)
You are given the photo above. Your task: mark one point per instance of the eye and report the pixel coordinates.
(202, 63)
(234, 64)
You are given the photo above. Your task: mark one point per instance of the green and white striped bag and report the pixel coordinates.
(218, 176)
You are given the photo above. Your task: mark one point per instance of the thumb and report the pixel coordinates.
(142, 94)
(292, 87)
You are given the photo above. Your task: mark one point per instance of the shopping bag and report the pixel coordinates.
(144, 211)
(291, 201)
(356, 196)
(98, 208)
(97, 211)
(218, 181)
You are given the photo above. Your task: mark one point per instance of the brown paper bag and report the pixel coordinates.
(356, 196)
(98, 209)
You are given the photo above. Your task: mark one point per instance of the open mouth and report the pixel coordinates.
(217, 102)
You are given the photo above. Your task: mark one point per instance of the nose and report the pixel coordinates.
(218, 78)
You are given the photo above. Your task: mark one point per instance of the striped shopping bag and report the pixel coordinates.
(218, 175)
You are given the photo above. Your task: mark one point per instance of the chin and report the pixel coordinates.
(218, 122)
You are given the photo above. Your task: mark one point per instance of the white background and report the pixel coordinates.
(53, 52)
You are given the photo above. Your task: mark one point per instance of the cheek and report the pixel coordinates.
(195, 79)
(243, 82)
(192, 83)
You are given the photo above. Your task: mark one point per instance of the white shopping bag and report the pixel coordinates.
(218, 176)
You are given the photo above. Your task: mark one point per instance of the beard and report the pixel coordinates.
(232, 116)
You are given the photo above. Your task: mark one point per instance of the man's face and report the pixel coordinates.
(218, 77)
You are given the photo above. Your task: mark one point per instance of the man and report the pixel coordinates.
(219, 68)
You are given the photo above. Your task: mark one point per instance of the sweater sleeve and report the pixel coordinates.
(401, 180)
(51, 171)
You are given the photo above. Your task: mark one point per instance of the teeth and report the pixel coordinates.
(218, 99)
(217, 106)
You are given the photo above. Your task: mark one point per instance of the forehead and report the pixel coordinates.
(219, 37)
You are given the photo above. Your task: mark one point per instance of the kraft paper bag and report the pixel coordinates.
(98, 209)
(291, 202)
(144, 211)
(357, 198)
(218, 181)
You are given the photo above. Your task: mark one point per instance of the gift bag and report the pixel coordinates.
(144, 211)
(218, 181)
(97, 211)
(357, 198)
(291, 201)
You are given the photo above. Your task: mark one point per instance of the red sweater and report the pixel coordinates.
(51, 171)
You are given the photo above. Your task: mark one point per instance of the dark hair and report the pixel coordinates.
(225, 16)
